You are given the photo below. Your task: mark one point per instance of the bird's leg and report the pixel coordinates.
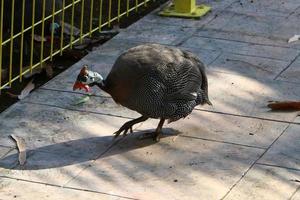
(156, 134)
(128, 125)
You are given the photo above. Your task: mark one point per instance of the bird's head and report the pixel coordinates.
(87, 79)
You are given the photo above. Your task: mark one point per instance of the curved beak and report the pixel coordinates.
(79, 85)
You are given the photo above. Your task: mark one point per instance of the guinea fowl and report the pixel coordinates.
(154, 80)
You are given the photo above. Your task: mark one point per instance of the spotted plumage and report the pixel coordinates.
(158, 82)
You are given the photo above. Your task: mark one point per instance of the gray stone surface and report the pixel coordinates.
(168, 169)
(253, 132)
(237, 149)
(143, 31)
(296, 196)
(245, 38)
(292, 73)
(243, 48)
(242, 95)
(4, 151)
(265, 183)
(285, 152)
(15, 189)
(252, 66)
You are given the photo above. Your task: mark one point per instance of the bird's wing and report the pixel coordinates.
(184, 82)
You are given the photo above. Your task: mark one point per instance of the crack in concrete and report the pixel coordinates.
(252, 165)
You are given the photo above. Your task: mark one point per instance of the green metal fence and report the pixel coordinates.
(21, 21)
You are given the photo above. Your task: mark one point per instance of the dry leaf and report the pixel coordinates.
(29, 87)
(294, 38)
(21, 147)
(39, 38)
(49, 69)
(68, 28)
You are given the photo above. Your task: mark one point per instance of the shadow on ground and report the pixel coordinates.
(78, 151)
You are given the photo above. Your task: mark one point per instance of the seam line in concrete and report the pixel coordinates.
(283, 70)
(275, 39)
(219, 141)
(64, 187)
(112, 115)
(251, 166)
(10, 150)
(294, 193)
(256, 56)
(270, 165)
(66, 91)
(5, 146)
(244, 42)
(99, 156)
(248, 116)
(92, 112)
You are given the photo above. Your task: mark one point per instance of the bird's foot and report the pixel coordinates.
(125, 128)
(154, 135)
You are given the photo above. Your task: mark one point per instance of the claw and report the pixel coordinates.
(123, 129)
(128, 126)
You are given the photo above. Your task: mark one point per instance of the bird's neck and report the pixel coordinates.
(103, 86)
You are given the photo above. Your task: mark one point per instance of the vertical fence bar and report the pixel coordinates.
(127, 8)
(1, 31)
(145, 3)
(119, 9)
(22, 40)
(11, 40)
(72, 24)
(109, 13)
(52, 30)
(32, 35)
(43, 33)
(91, 17)
(100, 15)
(81, 20)
(62, 26)
(136, 5)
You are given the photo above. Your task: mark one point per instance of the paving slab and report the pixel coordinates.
(211, 154)
(296, 196)
(45, 167)
(252, 66)
(60, 143)
(250, 24)
(244, 48)
(264, 182)
(248, 96)
(246, 131)
(143, 31)
(194, 169)
(49, 125)
(4, 151)
(245, 38)
(292, 73)
(285, 152)
(16, 189)
(265, 8)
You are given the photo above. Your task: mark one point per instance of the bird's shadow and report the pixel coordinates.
(79, 151)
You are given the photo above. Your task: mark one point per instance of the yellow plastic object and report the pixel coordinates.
(185, 8)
